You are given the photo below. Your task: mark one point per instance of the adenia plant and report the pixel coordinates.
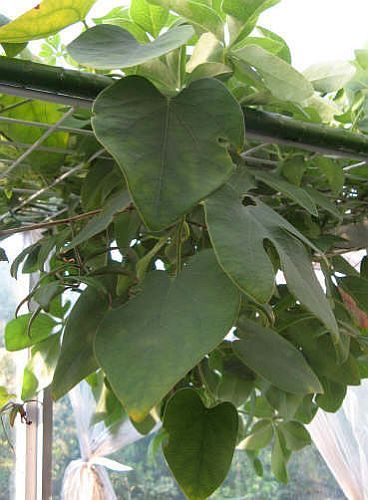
(177, 223)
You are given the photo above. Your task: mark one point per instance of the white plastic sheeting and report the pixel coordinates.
(87, 478)
(342, 440)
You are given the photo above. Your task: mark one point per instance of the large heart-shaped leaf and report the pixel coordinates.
(108, 47)
(238, 233)
(168, 148)
(201, 442)
(147, 345)
(47, 18)
(77, 359)
(274, 358)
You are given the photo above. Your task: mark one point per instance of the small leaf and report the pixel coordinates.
(45, 293)
(295, 193)
(288, 370)
(140, 345)
(139, 126)
(3, 256)
(330, 77)
(5, 396)
(47, 18)
(151, 18)
(295, 434)
(201, 442)
(89, 49)
(16, 331)
(197, 12)
(118, 201)
(333, 173)
(260, 436)
(126, 227)
(40, 368)
(279, 458)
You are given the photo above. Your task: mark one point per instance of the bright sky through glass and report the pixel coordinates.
(316, 30)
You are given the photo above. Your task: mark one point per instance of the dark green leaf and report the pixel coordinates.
(3, 256)
(288, 370)
(140, 127)
(260, 436)
(77, 358)
(201, 442)
(295, 434)
(238, 233)
(140, 345)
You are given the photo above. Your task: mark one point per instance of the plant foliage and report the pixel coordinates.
(173, 227)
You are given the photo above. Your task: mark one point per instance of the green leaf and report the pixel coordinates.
(260, 436)
(324, 202)
(201, 442)
(293, 169)
(151, 18)
(295, 193)
(234, 389)
(171, 146)
(283, 81)
(3, 256)
(116, 202)
(45, 293)
(126, 226)
(119, 16)
(5, 396)
(284, 53)
(357, 288)
(91, 47)
(330, 77)
(77, 358)
(47, 18)
(16, 331)
(285, 403)
(40, 368)
(295, 434)
(247, 11)
(238, 233)
(279, 458)
(197, 12)
(140, 344)
(11, 49)
(288, 370)
(333, 173)
(333, 396)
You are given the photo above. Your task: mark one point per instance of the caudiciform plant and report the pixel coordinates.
(175, 225)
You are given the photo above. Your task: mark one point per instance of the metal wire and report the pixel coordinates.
(37, 143)
(28, 123)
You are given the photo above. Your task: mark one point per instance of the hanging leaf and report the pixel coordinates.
(40, 368)
(140, 128)
(147, 345)
(47, 18)
(279, 458)
(288, 370)
(77, 359)
(89, 49)
(295, 434)
(200, 443)
(283, 81)
(16, 331)
(238, 233)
